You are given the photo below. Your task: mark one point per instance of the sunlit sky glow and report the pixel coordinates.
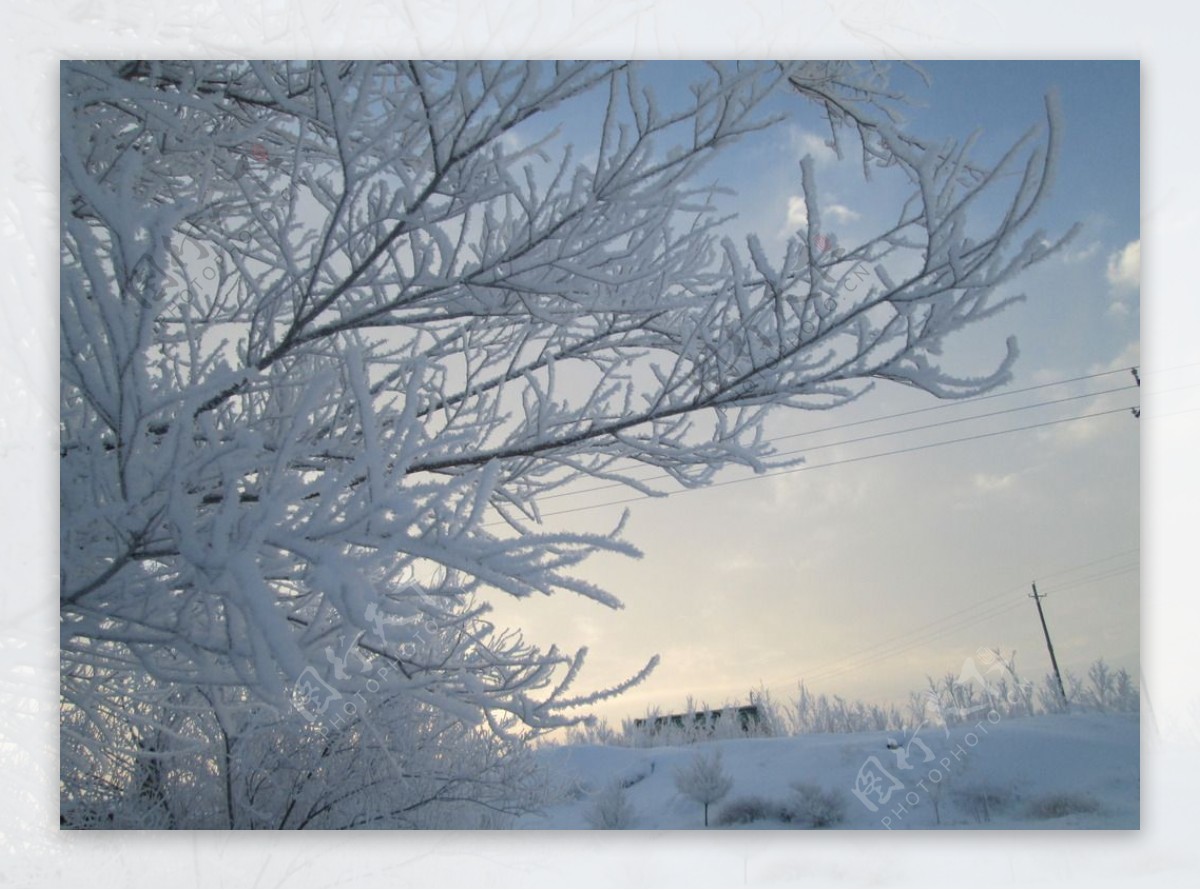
(866, 576)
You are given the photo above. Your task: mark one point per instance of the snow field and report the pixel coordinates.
(1046, 772)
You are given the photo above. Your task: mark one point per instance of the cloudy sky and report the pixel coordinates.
(895, 553)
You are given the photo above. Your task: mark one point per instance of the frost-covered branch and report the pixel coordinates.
(323, 324)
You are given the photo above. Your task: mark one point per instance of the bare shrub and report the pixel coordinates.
(1061, 803)
(751, 808)
(814, 806)
(611, 809)
(982, 801)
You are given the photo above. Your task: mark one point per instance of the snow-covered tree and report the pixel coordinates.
(704, 780)
(329, 331)
(610, 809)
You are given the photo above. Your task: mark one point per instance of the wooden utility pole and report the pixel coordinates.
(1037, 598)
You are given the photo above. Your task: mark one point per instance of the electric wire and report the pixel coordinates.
(840, 462)
(923, 634)
(870, 437)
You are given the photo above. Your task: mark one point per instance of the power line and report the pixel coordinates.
(978, 604)
(983, 398)
(1099, 576)
(834, 463)
(1084, 565)
(995, 612)
(917, 633)
(884, 417)
(926, 633)
(881, 435)
(956, 404)
(929, 426)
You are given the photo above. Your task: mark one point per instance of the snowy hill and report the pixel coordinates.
(1047, 772)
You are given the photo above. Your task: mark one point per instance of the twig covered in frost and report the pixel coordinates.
(323, 324)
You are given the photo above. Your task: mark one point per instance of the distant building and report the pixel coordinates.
(747, 716)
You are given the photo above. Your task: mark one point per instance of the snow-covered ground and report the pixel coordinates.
(1056, 772)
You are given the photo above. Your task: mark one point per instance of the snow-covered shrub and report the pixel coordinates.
(1061, 803)
(1108, 691)
(982, 801)
(396, 764)
(812, 805)
(772, 716)
(822, 713)
(991, 684)
(611, 808)
(595, 732)
(704, 780)
(751, 808)
(1051, 698)
(1105, 691)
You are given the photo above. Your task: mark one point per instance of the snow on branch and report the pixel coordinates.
(330, 331)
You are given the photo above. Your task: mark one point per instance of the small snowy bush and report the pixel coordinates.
(982, 801)
(1061, 803)
(744, 810)
(704, 780)
(611, 809)
(812, 805)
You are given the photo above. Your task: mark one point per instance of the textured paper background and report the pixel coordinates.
(36, 36)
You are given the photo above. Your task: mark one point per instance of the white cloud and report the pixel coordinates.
(989, 482)
(1124, 277)
(1129, 356)
(840, 213)
(511, 141)
(809, 143)
(1125, 267)
(797, 212)
(1073, 255)
(1118, 309)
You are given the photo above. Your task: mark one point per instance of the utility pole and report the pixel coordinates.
(1037, 598)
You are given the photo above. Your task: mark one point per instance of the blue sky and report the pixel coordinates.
(865, 577)
(1100, 141)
